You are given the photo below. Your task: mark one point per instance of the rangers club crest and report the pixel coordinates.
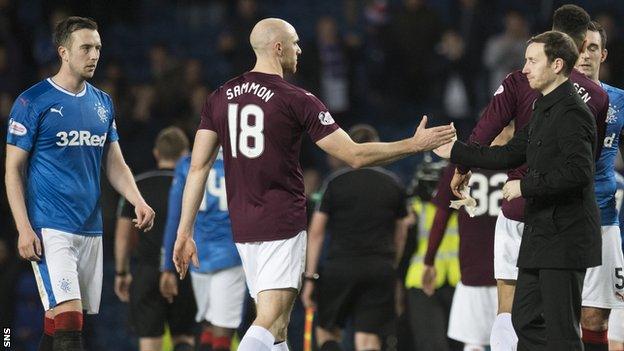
(102, 112)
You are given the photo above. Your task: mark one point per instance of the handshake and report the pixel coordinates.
(433, 138)
(511, 189)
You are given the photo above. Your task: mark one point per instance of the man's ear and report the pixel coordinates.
(279, 49)
(603, 56)
(63, 53)
(558, 65)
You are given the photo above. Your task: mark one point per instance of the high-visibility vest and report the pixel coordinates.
(447, 258)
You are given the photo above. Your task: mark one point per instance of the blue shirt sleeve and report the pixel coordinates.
(22, 129)
(174, 209)
(112, 126)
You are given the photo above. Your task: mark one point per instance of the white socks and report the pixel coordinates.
(282, 346)
(503, 337)
(258, 339)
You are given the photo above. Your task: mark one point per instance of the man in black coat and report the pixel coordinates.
(562, 233)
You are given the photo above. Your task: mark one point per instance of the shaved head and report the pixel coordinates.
(269, 31)
(275, 43)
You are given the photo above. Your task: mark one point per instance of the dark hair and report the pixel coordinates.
(558, 45)
(597, 27)
(573, 21)
(64, 29)
(363, 133)
(171, 143)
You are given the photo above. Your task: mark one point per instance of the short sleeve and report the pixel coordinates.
(313, 116)
(206, 121)
(23, 123)
(112, 127)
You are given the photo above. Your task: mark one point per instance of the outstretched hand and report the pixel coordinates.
(430, 138)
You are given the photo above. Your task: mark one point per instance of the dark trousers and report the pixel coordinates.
(547, 309)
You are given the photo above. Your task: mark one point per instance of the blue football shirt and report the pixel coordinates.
(212, 230)
(605, 183)
(66, 135)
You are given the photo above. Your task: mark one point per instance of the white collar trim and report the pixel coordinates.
(61, 89)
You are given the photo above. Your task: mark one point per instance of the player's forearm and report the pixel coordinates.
(15, 189)
(120, 177)
(379, 154)
(192, 197)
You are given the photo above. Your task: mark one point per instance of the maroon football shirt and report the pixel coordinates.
(260, 120)
(476, 234)
(513, 100)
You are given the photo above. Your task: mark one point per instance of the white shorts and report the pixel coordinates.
(276, 264)
(616, 325)
(71, 269)
(473, 312)
(220, 296)
(604, 285)
(507, 239)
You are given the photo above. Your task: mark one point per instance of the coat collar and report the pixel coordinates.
(545, 102)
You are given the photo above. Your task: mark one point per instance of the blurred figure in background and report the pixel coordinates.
(364, 210)
(232, 43)
(504, 52)
(474, 303)
(139, 285)
(429, 311)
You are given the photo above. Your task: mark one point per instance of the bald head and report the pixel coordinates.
(276, 45)
(269, 31)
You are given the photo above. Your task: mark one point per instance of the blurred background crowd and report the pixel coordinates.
(382, 62)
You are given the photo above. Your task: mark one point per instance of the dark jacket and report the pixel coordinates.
(562, 224)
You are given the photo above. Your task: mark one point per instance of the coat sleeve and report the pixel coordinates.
(496, 116)
(508, 156)
(575, 139)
